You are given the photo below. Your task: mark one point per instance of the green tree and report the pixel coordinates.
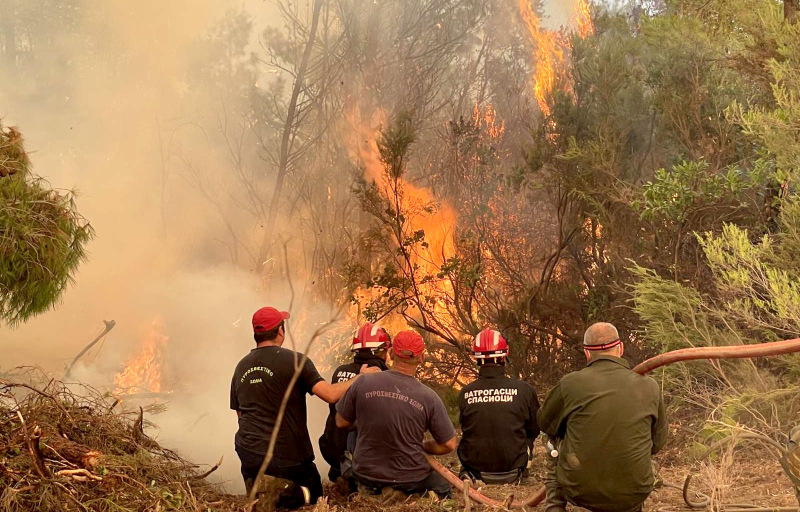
(42, 236)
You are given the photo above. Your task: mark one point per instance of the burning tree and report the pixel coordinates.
(42, 236)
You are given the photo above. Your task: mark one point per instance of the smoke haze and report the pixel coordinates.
(108, 109)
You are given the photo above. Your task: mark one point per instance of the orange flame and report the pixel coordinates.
(437, 223)
(488, 119)
(143, 372)
(549, 56)
(584, 18)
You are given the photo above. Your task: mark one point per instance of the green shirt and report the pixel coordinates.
(611, 420)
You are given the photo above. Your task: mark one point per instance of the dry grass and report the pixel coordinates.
(88, 457)
(131, 472)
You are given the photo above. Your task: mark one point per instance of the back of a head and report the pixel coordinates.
(407, 347)
(601, 338)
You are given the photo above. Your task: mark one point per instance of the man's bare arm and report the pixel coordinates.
(331, 393)
(434, 448)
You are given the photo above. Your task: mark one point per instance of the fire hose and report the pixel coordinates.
(774, 348)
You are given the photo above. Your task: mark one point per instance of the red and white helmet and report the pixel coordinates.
(371, 336)
(489, 344)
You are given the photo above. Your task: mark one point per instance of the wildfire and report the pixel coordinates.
(550, 46)
(437, 223)
(143, 373)
(583, 15)
(488, 119)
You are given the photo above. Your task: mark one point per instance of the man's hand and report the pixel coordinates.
(369, 369)
(343, 423)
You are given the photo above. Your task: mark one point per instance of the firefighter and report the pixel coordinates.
(391, 411)
(370, 346)
(497, 416)
(258, 386)
(607, 421)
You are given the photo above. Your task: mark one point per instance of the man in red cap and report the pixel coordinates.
(391, 412)
(259, 383)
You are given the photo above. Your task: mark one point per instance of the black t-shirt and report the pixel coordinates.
(333, 442)
(498, 421)
(257, 388)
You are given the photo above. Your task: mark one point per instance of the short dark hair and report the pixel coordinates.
(268, 335)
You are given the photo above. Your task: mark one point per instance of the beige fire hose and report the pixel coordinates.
(774, 348)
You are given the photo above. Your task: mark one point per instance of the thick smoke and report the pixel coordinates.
(98, 111)
(108, 109)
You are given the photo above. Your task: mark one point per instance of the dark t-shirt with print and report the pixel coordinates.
(391, 412)
(257, 388)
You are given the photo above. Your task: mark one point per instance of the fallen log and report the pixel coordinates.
(73, 452)
(773, 348)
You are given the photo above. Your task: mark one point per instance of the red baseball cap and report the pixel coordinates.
(268, 318)
(408, 344)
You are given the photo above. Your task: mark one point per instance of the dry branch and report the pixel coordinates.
(64, 439)
(109, 324)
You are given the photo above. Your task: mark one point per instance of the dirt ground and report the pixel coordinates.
(749, 477)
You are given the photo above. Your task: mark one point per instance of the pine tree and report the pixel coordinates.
(42, 236)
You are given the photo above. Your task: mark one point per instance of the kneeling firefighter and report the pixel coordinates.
(497, 416)
(370, 346)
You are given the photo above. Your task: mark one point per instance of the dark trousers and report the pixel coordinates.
(434, 482)
(303, 474)
(492, 478)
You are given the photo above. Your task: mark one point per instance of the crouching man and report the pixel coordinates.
(610, 421)
(497, 416)
(259, 383)
(391, 412)
(370, 346)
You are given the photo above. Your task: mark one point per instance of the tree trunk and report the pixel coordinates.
(790, 8)
(288, 128)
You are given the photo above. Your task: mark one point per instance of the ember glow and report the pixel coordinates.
(142, 374)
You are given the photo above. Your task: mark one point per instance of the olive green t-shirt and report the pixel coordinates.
(611, 421)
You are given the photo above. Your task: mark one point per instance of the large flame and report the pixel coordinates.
(583, 16)
(438, 223)
(550, 50)
(549, 56)
(143, 372)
